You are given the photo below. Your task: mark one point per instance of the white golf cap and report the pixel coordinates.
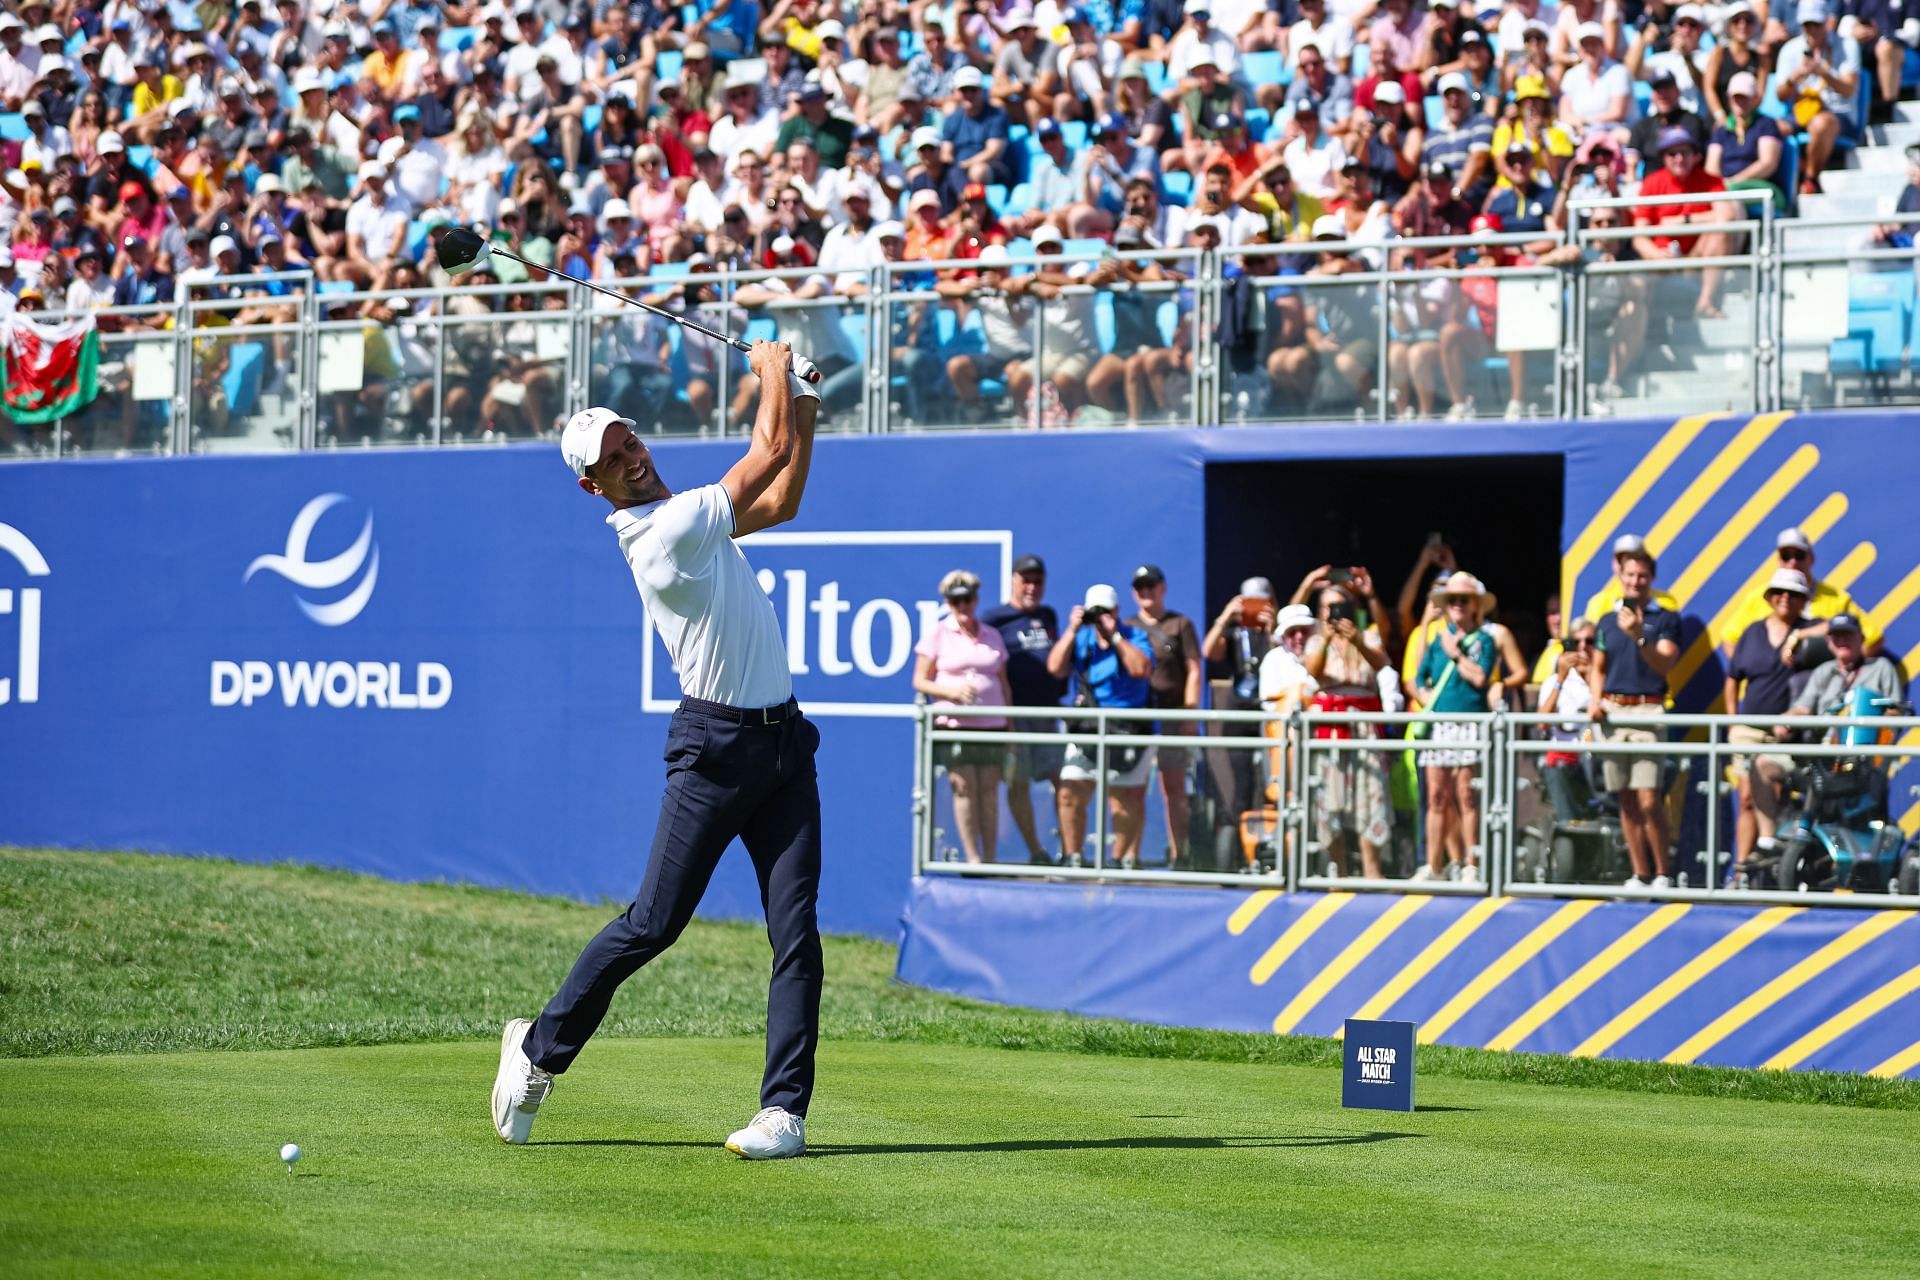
(1257, 588)
(1690, 13)
(968, 78)
(782, 244)
(268, 184)
(222, 244)
(1197, 6)
(1589, 31)
(1292, 618)
(616, 208)
(1102, 596)
(1790, 580)
(47, 31)
(1629, 544)
(1389, 91)
(308, 82)
(585, 431)
(1329, 226)
(1448, 83)
(109, 143)
(1046, 233)
(889, 231)
(373, 169)
(923, 198)
(831, 29)
(1809, 11)
(1203, 56)
(1793, 538)
(10, 20)
(996, 255)
(924, 137)
(1743, 85)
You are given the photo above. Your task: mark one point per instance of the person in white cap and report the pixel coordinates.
(1606, 600)
(740, 756)
(1111, 663)
(1818, 76)
(1793, 549)
(975, 136)
(1596, 92)
(376, 228)
(1761, 663)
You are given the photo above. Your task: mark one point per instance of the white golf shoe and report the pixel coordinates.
(519, 1087)
(774, 1134)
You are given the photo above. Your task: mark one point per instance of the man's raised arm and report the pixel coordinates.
(797, 406)
(771, 449)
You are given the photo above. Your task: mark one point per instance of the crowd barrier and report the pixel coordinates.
(1534, 836)
(314, 365)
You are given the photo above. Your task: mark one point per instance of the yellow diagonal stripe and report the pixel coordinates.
(1505, 967)
(1815, 526)
(1249, 911)
(1577, 983)
(1895, 602)
(1761, 504)
(1852, 565)
(1343, 964)
(1846, 1020)
(1642, 478)
(1711, 480)
(1791, 980)
(1297, 933)
(1682, 979)
(1431, 955)
(1899, 1064)
(1910, 820)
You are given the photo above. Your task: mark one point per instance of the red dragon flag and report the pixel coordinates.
(52, 370)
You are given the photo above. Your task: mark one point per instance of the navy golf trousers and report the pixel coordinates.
(729, 773)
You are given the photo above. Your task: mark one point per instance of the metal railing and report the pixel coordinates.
(1317, 774)
(1400, 337)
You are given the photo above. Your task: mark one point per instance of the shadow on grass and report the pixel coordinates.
(1156, 1141)
(1424, 1107)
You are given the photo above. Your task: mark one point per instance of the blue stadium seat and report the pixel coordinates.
(416, 240)
(246, 362)
(997, 199)
(853, 323)
(1167, 315)
(1103, 326)
(1259, 121)
(1019, 200)
(1910, 71)
(1176, 187)
(1362, 59)
(1075, 133)
(1879, 312)
(13, 127)
(590, 117)
(142, 159)
(1436, 111)
(458, 39)
(668, 64)
(1157, 77)
(669, 271)
(1265, 67)
(1085, 247)
(1642, 97)
(760, 329)
(1770, 104)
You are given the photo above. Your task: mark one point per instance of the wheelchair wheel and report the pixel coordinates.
(1909, 880)
(1803, 865)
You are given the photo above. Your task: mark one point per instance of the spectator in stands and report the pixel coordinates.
(1606, 600)
(1198, 39)
(1596, 92)
(1240, 637)
(1285, 686)
(1524, 207)
(743, 125)
(1434, 207)
(1174, 685)
(1759, 682)
(1028, 628)
(1793, 550)
(1004, 305)
(1737, 51)
(1329, 37)
(1312, 155)
(1389, 144)
(1568, 689)
(1131, 379)
(1064, 187)
(1617, 302)
(932, 71)
(1639, 646)
(1682, 60)
(1207, 98)
(1386, 64)
(1466, 341)
(814, 329)
(1830, 690)
(887, 102)
(1476, 66)
(975, 136)
(1746, 149)
(1462, 142)
(1351, 805)
(830, 135)
(962, 661)
(1680, 174)
(1882, 36)
(1667, 112)
(1069, 343)
(1023, 79)
(1113, 663)
(1326, 91)
(1548, 145)
(1103, 172)
(1818, 78)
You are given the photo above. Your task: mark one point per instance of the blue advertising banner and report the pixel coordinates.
(1377, 1065)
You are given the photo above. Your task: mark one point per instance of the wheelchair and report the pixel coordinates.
(1836, 833)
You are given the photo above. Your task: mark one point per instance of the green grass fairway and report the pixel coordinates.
(165, 1024)
(928, 1161)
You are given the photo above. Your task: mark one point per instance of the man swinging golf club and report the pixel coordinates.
(739, 753)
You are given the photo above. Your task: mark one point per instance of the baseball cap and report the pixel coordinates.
(223, 244)
(1438, 169)
(1029, 563)
(1629, 544)
(1305, 107)
(1046, 233)
(1790, 580)
(129, 189)
(994, 255)
(889, 230)
(1448, 83)
(697, 51)
(32, 107)
(1203, 56)
(813, 91)
(1676, 136)
(1257, 588)
(925, 197)
(1530, 87)
(1148, 575)
(408, 112)
(6, 257)
(1292, 618)
(831, 29)
(968, 78)
(1743, 85)
(64, 205)
(1792, 537)
(1128, 236)
(782, 245)
(585, 431)
(1690, 13)
(1662, 79)
(1047, 128)
(973, 191)
(1809, 11)
(8, 20)
(268, 184)
(924, 137)
(1197, 6)
(1018, 18)
(1389, 91)
(1735, 9)
(1110, 125)
(1472, 36)
(109, 143)
(372, 169)
(616, 208)
(1589, 31)
(1843, 622)
(1100, 595)
(1225, 122)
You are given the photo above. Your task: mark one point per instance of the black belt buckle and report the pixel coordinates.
(773, 715)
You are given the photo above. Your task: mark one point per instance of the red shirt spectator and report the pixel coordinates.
(1662, 182)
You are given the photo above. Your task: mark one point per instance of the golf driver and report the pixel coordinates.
(462, 249)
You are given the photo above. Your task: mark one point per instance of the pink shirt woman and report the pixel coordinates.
(969, 663)
(963, 662)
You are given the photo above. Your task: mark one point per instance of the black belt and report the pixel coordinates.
(788, 710)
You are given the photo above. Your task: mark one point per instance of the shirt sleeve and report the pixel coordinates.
(693, 525)
(1666, 626)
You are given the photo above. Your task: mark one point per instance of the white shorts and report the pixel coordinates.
(1081, 766)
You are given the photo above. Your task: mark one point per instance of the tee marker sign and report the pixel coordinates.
(1379, 1066)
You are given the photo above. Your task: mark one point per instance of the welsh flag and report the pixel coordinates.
(51, 369)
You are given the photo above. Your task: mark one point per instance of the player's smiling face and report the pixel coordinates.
(624, 475)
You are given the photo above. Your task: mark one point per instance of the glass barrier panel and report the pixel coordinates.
(131, 411)
(1671, 341)
(244, 393)
(1379, 806)
(653, 371)
(1844, 342)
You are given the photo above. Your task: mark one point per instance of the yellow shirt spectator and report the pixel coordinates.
(389, 73)
(1551, 141)
(145, 99)
(1289, 224)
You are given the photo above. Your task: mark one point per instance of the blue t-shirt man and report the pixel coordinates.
(1627, 669)
(1029, 635)
(1103, 672)
(1522, 211)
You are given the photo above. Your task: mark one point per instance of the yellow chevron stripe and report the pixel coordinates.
(1343, 964)
(1297, 933)
(1845, 1020)
(1760, 505)
(1852, 565)
(1815, 526)
(1625, 498)
(1505, 967)
(1712, 480)
(1910, 820)
(1680, 980)
(1576, 984)
(1430, 956)
(1249, 911)
(1895, 602)
(1785, 984)
(1899, 1064)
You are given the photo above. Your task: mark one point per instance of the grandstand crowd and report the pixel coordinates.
(149, 145)
(1800, 646)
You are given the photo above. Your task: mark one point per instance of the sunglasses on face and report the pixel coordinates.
(1792, 554)
(964, 597)
(1580, 642)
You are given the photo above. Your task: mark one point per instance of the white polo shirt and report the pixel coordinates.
(703, 598)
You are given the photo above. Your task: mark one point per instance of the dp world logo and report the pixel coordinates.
(325, 575)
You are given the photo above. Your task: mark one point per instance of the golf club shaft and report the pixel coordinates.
(811, 374)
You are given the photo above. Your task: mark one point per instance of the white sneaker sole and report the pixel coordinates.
(511, 1039)
(745, 1154)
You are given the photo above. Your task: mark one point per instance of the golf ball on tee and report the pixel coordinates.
(290, 1153)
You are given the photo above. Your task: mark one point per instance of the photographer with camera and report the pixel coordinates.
(1112, 664)
(1351, 804)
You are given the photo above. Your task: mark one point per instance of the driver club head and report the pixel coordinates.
(461, 250)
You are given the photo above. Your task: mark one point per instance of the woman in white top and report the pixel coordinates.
(1567, 692)
(476, 165)
(1597, 92)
